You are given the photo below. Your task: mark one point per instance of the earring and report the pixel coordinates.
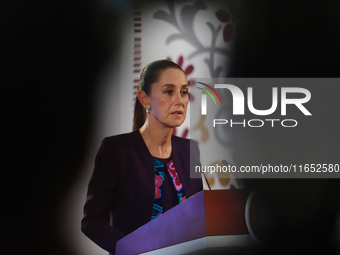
(147, 109)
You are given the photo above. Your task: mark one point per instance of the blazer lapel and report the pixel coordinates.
(145, 181)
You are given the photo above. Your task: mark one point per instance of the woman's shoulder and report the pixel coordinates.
(123, 136)
(124, 139)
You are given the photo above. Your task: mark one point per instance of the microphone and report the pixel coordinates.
(206, 180)
(226, 163)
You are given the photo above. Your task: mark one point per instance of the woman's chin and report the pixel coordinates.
(177, 124)
(174, 124)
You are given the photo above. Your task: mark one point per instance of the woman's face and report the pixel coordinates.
(169, 98)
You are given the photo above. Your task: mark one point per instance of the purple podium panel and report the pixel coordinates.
(208, 213)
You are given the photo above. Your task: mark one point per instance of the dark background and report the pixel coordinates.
(52, 53)
(294, 39)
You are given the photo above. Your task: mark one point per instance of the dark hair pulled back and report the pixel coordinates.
(150, 74)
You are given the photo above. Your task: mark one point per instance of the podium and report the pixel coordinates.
(210, 218)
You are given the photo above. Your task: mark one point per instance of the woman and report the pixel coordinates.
(140, 175)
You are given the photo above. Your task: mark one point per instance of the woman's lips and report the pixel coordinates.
(177, 113)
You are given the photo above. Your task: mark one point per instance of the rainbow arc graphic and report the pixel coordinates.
(204, 99)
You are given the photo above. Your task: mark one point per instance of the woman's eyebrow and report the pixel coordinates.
(168, 85)
(172, 85)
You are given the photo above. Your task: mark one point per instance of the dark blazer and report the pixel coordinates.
(121, 190)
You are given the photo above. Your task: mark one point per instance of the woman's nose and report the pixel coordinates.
(178, 98)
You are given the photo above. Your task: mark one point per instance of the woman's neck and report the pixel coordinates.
(157, 139)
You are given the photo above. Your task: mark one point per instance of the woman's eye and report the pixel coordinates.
(185, 92)
(168, 92)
